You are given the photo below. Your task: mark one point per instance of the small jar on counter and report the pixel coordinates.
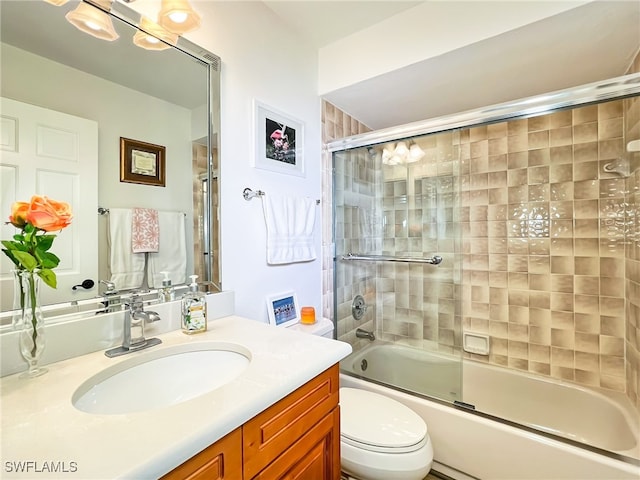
(307, 315)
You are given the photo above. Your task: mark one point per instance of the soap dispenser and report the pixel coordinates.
(194, 309)
(166, 293)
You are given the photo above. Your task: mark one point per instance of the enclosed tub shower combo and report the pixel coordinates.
(487, 274)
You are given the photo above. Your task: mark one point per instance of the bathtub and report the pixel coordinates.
(483, 445)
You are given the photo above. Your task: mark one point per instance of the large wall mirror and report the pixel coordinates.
(68, 98)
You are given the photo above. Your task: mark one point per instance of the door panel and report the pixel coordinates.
(54, 154)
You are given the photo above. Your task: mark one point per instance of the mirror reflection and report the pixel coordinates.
(96, 123)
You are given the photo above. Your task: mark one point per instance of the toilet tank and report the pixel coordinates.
(323, 327)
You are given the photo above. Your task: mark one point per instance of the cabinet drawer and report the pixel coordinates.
(222, 460)
(277, 428)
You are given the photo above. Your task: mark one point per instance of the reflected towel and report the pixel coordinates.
(127, 268)
(290, 222)
(145, 235)
(172, 254)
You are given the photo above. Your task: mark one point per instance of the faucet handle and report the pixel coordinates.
(135, 302)
(111, 287)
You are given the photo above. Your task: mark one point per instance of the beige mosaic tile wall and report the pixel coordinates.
(632, 132)
(544, 243)
(199, 165)
(335, 124)
(420, 219)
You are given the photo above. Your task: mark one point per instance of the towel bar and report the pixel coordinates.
(435, 260)
(105, 211)
(248, 194)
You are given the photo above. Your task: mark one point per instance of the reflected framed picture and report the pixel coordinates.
(279, 140)
(142, 162)
(283, 309)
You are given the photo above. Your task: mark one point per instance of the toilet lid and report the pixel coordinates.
(374, 420)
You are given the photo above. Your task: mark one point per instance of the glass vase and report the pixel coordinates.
(18, 301)
(31, 337)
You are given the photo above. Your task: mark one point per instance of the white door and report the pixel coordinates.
(50, 153)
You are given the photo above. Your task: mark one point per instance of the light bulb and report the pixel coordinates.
(92, 25)
(415, 153)
(178, 17)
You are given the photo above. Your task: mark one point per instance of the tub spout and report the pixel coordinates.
(360, 333)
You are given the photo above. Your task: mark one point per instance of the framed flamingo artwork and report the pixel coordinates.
(279, 141)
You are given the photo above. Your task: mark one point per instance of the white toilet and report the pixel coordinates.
(380, 438)
(323, 328)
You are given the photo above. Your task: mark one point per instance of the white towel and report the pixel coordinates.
(172, 254)
(290, 222)
(127, 268)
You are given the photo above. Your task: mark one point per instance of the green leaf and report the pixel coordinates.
(45, 242)
(9, 254)
(9, 245)
(18, 238)
(47, 259)
(48, 277)
(26, 260)
(28, 228)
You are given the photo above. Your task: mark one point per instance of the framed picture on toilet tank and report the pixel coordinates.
(283, 309)
(279, 141)
(142, 162)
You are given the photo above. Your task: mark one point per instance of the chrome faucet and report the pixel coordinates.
(133, 337)
(360, 333)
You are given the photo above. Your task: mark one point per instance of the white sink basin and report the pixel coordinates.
(161, 378)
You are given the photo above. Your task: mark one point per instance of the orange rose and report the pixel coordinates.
(48, 215)
(18, 217)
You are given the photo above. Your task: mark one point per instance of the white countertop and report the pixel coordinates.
(40, 425)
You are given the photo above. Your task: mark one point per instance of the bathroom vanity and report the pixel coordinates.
(299, 436)
(279, 415)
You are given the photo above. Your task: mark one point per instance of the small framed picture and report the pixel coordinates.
(142, 162)
(279, 141)
(283, 309)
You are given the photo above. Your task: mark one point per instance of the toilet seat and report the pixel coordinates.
(376, 423)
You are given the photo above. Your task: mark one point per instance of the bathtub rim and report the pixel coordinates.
(620, 456)
(508, 470)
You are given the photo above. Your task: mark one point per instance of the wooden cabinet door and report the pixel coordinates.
(276, 429)
(315, 456)
(222, 460)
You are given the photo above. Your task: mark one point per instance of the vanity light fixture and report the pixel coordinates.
(57, 3)
(178, 16)
(152, 36)
(93, 20)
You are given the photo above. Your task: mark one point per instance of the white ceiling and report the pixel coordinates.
(325, 21)
(589, 43)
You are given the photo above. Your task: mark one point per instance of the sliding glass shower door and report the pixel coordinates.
(397, 263)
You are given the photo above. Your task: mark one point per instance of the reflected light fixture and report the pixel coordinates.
(152, 36)
(415, 153)
(57, 3)
(177, 16)
(400, 154)
(93, 21)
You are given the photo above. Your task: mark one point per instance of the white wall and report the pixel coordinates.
(120, 112)
(422, 32)
(261, 59)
